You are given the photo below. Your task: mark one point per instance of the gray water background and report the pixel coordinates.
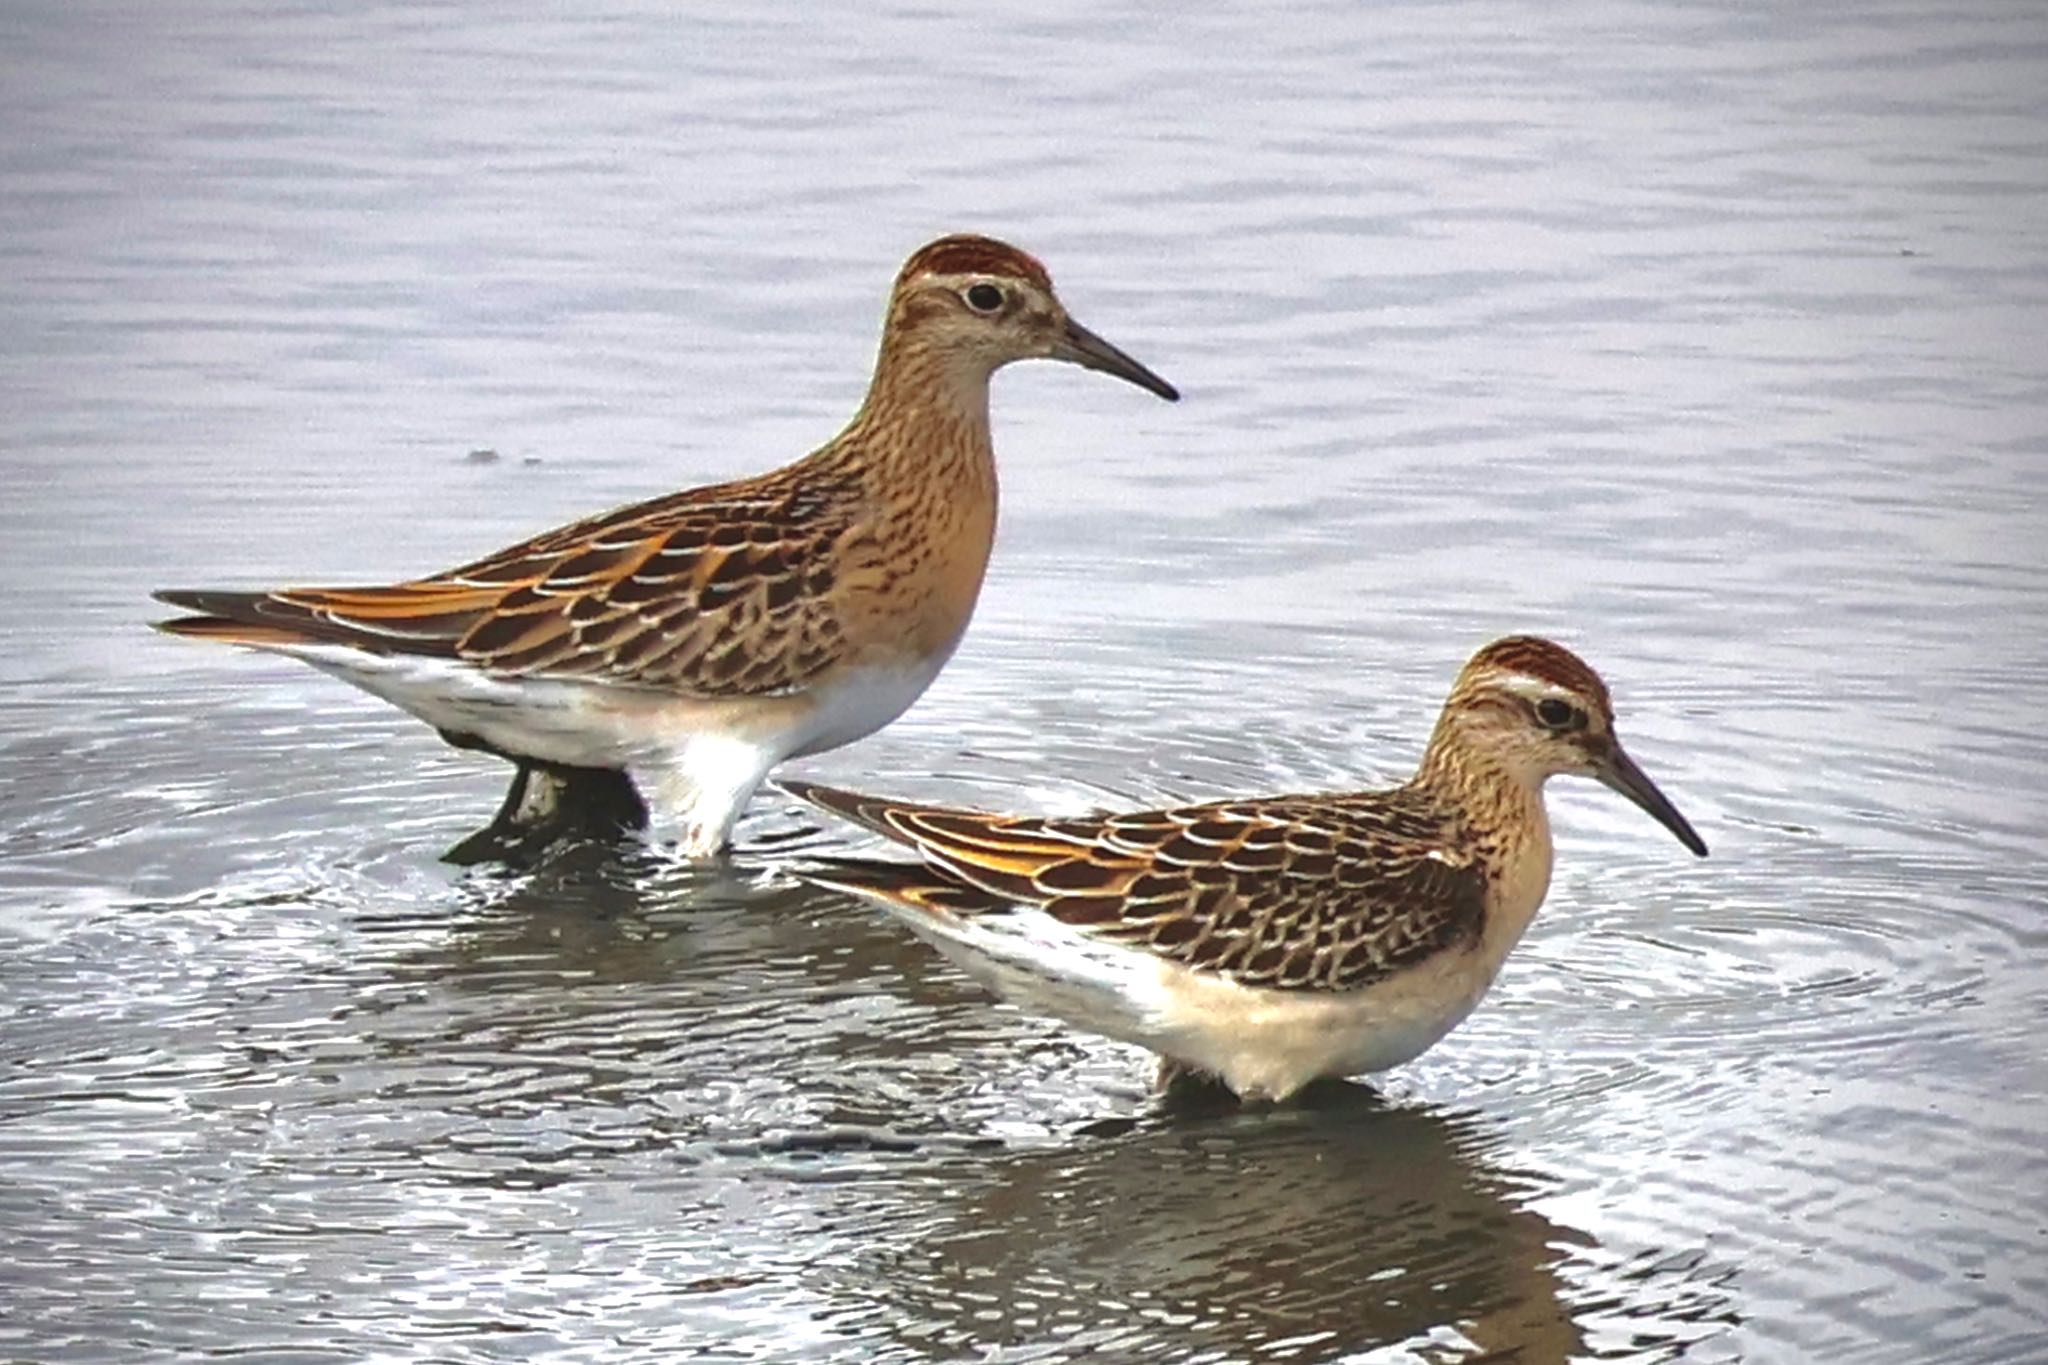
(1711, 339)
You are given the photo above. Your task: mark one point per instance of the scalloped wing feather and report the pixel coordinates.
(719, 591)
(1292, 893)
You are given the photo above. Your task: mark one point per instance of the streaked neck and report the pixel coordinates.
(1504, 820)
(925, 417)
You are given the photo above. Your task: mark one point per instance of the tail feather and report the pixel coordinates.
(871, 813)
(283, 619)
(235, 632)
(956, 875)
(899, 886)
(1004, 857)
(211, 601)
(240, 618)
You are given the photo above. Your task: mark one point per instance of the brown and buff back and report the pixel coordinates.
(1306, 893)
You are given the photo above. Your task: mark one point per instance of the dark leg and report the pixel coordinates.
(1192, 1091)
(548, 804)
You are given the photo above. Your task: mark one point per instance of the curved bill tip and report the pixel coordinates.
(1622, 774)
(1079, 346)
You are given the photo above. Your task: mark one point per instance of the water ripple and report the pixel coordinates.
(1703, 337)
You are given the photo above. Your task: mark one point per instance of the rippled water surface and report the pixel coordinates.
(1709, 338)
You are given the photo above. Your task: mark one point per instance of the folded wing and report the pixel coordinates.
(719, 591)
(1289, 893)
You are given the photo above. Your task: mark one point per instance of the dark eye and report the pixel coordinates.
(984, 298)
(1560, 715)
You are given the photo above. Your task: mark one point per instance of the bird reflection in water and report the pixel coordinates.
(1344, 1221)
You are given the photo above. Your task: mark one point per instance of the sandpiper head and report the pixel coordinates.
(1536, 709)
(986, 303)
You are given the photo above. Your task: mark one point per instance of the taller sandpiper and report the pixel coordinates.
(699, 639)
(1271, 941)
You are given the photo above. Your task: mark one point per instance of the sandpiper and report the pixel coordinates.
(696, 640)
(1269, 942)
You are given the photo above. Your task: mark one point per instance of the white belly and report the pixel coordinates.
(858, 702)
(701, 757)
(1263, 1043)
(1271, 1043)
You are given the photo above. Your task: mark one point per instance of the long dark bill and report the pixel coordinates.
(1082, 347)
(1622, 774)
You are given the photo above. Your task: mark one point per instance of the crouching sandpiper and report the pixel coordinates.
(1273, 941)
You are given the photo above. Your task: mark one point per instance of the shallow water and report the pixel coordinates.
(1707, 338)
